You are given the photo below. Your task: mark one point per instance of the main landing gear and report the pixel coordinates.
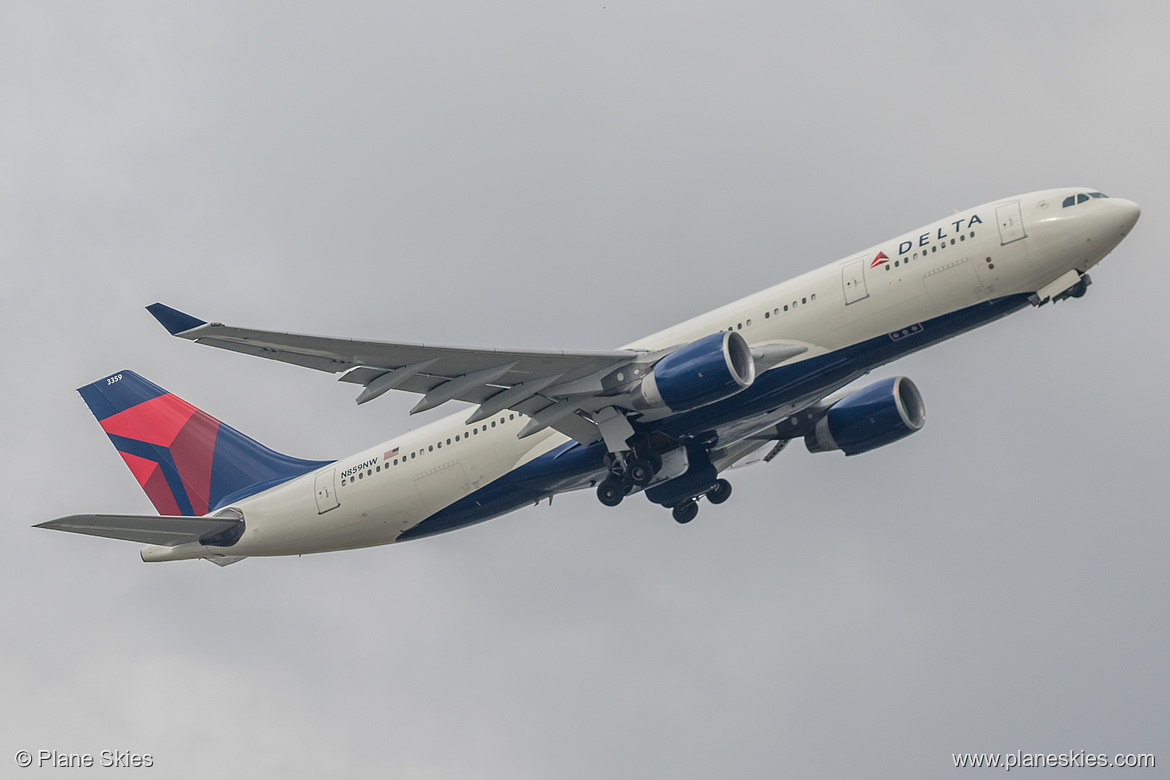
(614, 488)
(624, 476)
(720, 492)
(611, 491)
(673, 474)
(685, 511)
(627, 472)
(688, 509)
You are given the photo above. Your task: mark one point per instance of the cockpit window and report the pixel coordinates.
(1081, 197)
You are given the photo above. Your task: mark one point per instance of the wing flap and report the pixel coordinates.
(164, 530)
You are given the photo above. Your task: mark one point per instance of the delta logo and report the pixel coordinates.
(881, 258)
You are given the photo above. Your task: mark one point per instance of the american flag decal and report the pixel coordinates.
(390, 454)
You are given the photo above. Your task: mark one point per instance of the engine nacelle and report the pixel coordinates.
(702, 372)
(869, 418)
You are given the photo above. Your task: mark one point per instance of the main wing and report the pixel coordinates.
(555, 389)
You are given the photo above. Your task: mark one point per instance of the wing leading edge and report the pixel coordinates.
(558, 389)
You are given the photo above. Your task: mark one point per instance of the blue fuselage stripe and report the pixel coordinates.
(573, 466)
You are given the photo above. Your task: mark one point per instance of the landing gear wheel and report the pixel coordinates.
(720, 493)
(641, 472)
(611, 492)
(685, 511)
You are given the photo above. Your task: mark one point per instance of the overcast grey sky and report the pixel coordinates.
(575, 175)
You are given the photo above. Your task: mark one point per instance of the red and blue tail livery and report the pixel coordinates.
(187, 462)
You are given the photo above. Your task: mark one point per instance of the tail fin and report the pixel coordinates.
(188, 462)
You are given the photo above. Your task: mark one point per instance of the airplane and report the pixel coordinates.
(665, 416)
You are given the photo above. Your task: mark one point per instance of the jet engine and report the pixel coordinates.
(702, 372)
(869, 418)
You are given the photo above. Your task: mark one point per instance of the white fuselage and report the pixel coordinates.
(1001, 249)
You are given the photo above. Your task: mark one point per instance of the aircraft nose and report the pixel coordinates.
(1128, 212)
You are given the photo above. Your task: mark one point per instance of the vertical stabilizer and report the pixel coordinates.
(187, 462)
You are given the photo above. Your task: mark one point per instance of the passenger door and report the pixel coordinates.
(853, 281)
(1011, 223)
(326, 486)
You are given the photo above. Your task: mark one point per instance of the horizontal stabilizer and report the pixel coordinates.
(168, 531)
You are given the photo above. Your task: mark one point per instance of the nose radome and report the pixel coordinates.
(1129, 212)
